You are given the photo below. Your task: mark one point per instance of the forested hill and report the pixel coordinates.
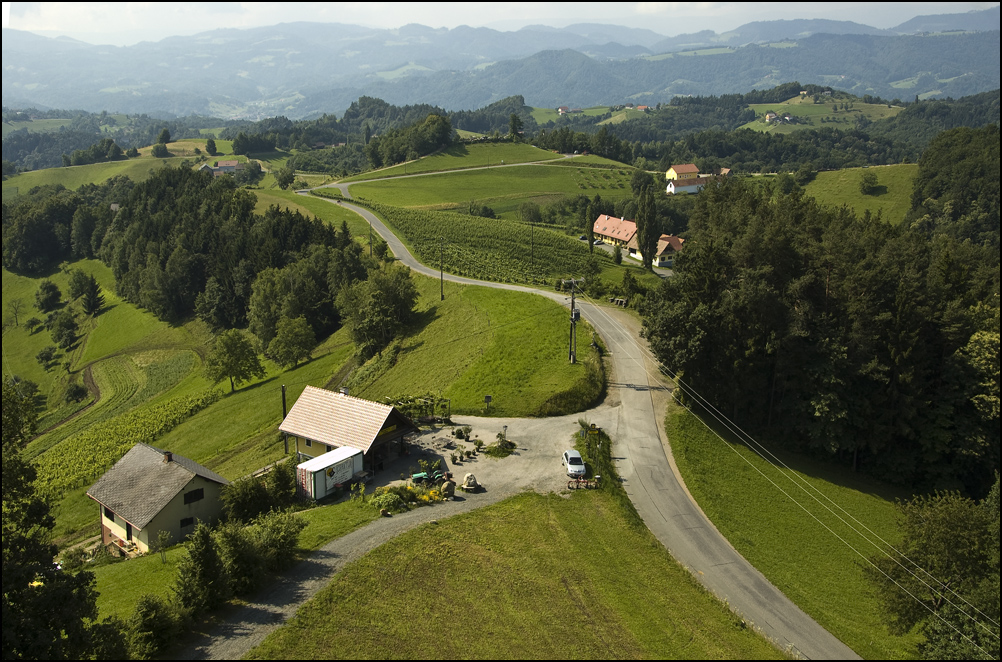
(873, 344)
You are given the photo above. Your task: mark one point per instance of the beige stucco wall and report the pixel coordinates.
(208, 509)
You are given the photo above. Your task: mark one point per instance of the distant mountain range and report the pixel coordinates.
(304, 69)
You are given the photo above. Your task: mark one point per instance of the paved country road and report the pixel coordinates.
(632, 415)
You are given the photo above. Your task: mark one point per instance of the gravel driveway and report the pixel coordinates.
(535, 465)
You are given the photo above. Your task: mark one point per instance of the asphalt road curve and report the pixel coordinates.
(656, 489)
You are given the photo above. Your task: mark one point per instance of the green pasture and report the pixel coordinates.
(314, 206)
(121, 584)
(805, 108)
(623, 115)
(544, 115)
(466, 135)
(37, 126)
(73, 177)
(535, 576)
(404, 70)
(797, 551)
(893, 197)
(460, 156)
(482, 341)
(592, 161)
(503, 189)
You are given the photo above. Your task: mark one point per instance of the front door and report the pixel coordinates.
(128, 531)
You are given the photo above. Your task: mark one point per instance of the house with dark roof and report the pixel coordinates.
(323, 420)
(151, 490)
(617, 231)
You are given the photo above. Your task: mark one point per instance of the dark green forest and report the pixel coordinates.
(872, 344)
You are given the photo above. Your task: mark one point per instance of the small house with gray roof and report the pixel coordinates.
(151, 490)
(323, 420)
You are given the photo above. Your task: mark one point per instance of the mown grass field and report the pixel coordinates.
(481, 341)
(462, 156)
(502, 189)
(812, 113)
(799, 555)
(893, 197)
(544, 115)
(535, 576)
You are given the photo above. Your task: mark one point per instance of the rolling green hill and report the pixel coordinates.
(893, 197)
(814, 115)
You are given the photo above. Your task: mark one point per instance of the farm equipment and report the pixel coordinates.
(428, 478)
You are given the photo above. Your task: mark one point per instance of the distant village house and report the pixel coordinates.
(686, 178)
(616, 231)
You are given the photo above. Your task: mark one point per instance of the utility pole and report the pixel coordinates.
(441, 267)
(370, 238)
(572, 349)
(532, 244)
(285, 437)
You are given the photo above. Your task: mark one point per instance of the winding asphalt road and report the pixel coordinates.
(655, 487)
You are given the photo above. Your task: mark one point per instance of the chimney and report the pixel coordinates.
(344, 390)
(168, 457)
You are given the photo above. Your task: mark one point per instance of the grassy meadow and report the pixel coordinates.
(812, 113)
(481, 341)
(502, 189)
(535, 576)
(544, 115)
(120, 585)
(461, 156)
(893, 198)
(799, 555)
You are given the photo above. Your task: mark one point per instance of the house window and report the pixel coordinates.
(194, 495)
(309, 444)
(109, 513)
(187, 521)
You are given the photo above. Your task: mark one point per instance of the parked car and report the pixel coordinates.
(583, 237)
(574, 464)
(598, 242)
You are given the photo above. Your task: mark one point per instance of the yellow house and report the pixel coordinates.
(683, 171)
(150, 490)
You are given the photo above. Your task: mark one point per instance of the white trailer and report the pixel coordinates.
(320, 476)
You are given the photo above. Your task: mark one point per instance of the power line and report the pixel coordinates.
(741, 433)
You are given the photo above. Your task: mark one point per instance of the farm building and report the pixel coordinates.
(692, 185)
(617, 231)
(668, 246)
(323, 420)
(150, 490)
(682, 171)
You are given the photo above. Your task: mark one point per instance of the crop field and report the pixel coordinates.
(503, 189)
(457, 157)
(812, 114)
(481, 341)
(535, 576)
(893, 198)
(822, 575)
(484, 248)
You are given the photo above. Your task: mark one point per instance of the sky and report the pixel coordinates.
(123, 24)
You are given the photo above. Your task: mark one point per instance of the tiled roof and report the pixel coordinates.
(141, 484)
(615, 228)
(336, 419)
(669, 243)
(685, 168)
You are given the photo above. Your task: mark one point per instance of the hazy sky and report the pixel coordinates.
(128, 23)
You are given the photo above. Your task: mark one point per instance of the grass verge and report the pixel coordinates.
(535, 576)
(799, 555)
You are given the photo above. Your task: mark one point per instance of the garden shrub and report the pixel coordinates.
(151, 627)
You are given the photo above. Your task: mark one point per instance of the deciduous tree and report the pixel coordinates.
(233, 358)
